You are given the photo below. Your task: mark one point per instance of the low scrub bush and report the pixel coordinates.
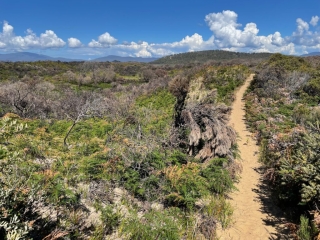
(284, 90)
(153, 225)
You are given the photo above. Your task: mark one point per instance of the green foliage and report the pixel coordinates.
(92, 168)
(225, 80)
(59, 127)
(189, 183)
(9, 128)
(142, 176)
(300, 113)
(313, 89)
(59, 194)
(90, 129)
(127, 146)
(289, 63)
(158, 101)
(204, 56)
(40, 68)
(285, 92)
(304, 232)
(154, 111)
(177, 158)
(153, 225)
(220, 209)
(14, 228)
(110, 218)
(218, 177)
(184, 185)
(15, 194)
(303, 168)
(286, 109)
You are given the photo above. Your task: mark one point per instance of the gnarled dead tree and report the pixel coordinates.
(210, 134)
(203, 119)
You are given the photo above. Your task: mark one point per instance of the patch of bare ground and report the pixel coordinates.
(256, 215)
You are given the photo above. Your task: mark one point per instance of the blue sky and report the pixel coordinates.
(94, 28)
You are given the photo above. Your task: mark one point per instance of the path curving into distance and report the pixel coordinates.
(253, 215)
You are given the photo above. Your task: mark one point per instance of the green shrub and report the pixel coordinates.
(16, 193)
(153, 225)
(220, 209)
(184, 185)
(286, 91)
(313, 87)
(110, 219)
(219, 179)
(304, 232)
(161, 99)
(300, 113)
(92, 167)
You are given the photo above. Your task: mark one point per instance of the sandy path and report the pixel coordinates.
(249, 215)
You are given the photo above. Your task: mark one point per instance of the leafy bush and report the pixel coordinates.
(305, 231)
(218, 177)
(153, 225)
(220, 209)
(284, 91)
(125, 143)
(184, 185)
(16, 197)
(109, 217)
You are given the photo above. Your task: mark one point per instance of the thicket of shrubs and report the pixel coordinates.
(218, 56)
(283, 110)
(106, 161)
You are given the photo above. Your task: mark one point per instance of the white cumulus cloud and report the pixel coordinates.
(74, 42)
(303, 37)
(140, 49)
(50, 40)
(302, 27)
(193, 42)
(143, 53)
(10, 41)
(314, 21)
(229, 34)
(104, 40)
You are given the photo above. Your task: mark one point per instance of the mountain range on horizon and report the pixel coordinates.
(311, 54)
(32, 57)
(112, 58)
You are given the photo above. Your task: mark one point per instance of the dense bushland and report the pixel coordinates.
(283, 112)
(217, 56)
(106, 150)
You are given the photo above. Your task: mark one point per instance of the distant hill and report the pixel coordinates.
(204, 56)
(181, 58)
(31, 57)
(112, 58)
(311, 54)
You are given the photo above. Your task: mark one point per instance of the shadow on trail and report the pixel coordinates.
(276, 217)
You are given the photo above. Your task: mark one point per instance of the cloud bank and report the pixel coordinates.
(227, 34)
(9, 41)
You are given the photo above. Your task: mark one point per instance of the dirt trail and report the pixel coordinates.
(252, 219)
